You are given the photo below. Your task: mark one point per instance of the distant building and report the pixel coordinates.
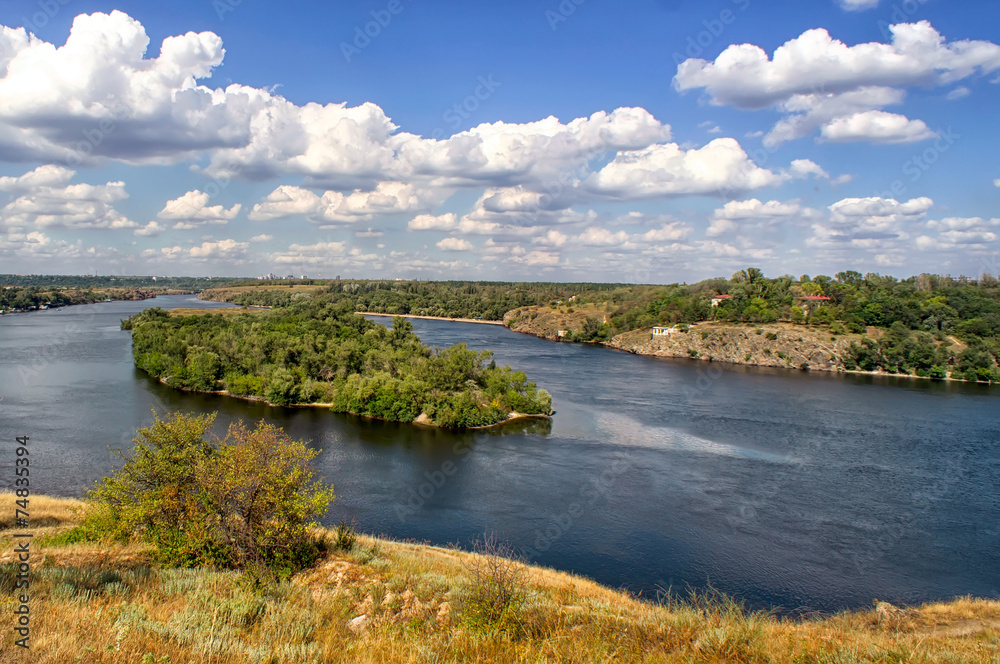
(664, 331)
(719, 299)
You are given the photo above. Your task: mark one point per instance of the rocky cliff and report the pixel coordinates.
(773, 345)
(782, 345)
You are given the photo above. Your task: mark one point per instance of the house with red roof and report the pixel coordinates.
(719, 299)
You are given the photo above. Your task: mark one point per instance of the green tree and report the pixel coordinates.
(245, 502)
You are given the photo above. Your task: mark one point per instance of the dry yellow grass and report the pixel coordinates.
(220, 294)
(44, 511)
(105, 604)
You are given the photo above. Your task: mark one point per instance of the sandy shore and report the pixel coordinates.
(453, 320)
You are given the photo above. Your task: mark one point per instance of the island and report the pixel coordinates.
(316, 352)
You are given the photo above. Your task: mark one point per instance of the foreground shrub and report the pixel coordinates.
(499, 589)
(246, 502)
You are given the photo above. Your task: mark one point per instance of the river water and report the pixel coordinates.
(786, 489)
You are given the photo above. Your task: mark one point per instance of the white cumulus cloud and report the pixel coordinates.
(192, 210)
(47, 200)
(815, 79)
(454, 244)
(669, 170)
(878, 127)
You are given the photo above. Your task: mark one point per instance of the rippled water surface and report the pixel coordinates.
(783, 488)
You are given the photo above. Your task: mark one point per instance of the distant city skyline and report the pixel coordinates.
(658, 142)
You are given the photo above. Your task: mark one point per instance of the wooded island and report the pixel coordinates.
(322, 353)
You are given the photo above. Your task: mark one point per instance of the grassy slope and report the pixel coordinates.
(108, 604)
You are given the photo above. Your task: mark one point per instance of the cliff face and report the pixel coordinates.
(772, 345)
(546, 322)
(768, 345)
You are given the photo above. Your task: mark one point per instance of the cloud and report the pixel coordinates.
(38, 245)
(152, 229)
(802, 168)
(966, 234)
(226, 250)
(996, 183)
(958, 93)
(336, 208)
(877, 127)
(601, 237)
(504, 154)
(858, 5)
(47, 200)
(454, 244)
(320, 253)
(257, 239)
(879, 228)
(429, 222)
(43, 176)
(754, 209)
(668, 170)
(815, 79)
(96, 96)
(192, 210)
(736, 216)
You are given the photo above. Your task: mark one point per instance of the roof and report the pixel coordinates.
(816, 297)
(721, 297)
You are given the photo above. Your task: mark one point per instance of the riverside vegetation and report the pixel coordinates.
(318, 352)
(928, 325)
(184, 555)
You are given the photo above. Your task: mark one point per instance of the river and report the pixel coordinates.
(786, 489)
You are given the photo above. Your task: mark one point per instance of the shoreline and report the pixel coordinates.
(421, 420)
(453, 320)
(811, 369)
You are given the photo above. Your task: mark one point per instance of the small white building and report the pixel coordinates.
(664, 331)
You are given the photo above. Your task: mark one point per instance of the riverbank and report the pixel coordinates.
(453, 320)
(385, 601)
(422, 420)
(773, 345)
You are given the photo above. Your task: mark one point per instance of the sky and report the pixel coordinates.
(650, 141)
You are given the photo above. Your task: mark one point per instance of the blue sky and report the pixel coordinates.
(658, 141)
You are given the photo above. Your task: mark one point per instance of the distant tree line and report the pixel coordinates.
(921, 315)
(320, 351)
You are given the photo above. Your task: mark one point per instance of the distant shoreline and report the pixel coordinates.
(453, 320)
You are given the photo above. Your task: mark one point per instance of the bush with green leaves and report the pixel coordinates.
(246, 502)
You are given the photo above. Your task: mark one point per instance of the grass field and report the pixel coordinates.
(110, 604)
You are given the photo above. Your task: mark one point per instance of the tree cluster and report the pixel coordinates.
(317, 351)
